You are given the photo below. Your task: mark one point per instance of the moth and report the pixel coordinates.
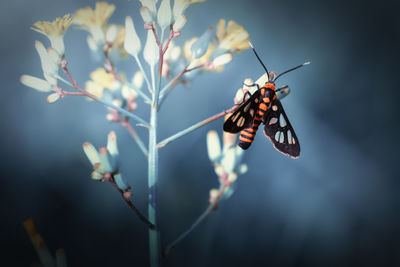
(264, 106)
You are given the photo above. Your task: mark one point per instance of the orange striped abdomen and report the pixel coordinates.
(247, 135)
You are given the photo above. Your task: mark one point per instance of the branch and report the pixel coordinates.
(213, 206)
(126, 196)
(195, 127)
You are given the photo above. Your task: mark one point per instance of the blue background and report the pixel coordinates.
(337, 205)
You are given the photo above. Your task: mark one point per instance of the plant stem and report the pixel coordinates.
(212, 206)
(154, 235)
(194, 127)
(144, 73)
(188, 231)
(135, 137)
(131, 205)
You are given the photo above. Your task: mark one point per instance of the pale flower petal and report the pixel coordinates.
(146, 15)
(150, 4)
(179, 23)
(137, 79)
(104, 160)
(222, 60)
(111, 34)
(36, 83)
(228, 161)
(112, 144)
(164, 14)
(150, 52)
(132, 42)
(91, 153)
(213, 146)
(52, 98)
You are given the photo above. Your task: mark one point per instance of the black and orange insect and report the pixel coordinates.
(264, 106)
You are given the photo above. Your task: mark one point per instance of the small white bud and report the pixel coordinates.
(213, 146)
(146, 15)
(132, 42)
(104, 160)
(112, 144)
(91, 43)
(222, 60)
(111, 34)
(91, 153)
(137, 79)
(151, 51)
(164, 14)
(35, 83)
(96, 175)
(179, 23)
(228, 161)
(52, 98)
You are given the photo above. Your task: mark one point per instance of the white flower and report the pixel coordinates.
(54, 30)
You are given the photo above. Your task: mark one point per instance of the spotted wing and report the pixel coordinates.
(279, 130)
(243, 117)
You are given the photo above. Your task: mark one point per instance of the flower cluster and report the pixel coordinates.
(105, 163)
(227, 163)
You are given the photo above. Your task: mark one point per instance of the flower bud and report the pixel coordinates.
(164, 14)
(132, 42)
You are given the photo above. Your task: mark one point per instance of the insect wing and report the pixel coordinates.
(279, 130)
(243, 117)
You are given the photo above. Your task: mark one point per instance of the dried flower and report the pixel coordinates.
(54, 30)
(94, 20)
(233, 38)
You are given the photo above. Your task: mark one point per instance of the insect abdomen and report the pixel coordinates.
(247, 135)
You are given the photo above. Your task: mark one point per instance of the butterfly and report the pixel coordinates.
(264, 106)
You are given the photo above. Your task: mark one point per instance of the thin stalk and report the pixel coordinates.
(171, 84)
(213, 205)
(135, 137)
(194, 127)
(131, 205)
(154, 235)
(143, 72)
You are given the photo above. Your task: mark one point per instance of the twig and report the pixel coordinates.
(212, 206)
(130, 203)
(134, 135)
(195, 126)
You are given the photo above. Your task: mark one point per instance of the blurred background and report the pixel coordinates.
(337, 205)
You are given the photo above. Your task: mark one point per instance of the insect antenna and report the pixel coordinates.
(265, 68)
(295, 68)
